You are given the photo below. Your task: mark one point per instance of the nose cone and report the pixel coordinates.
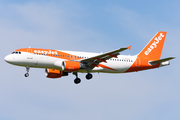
(8, 58)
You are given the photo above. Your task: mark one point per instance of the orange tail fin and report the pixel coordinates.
(154, 48)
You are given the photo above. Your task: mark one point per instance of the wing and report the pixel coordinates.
(94, 61)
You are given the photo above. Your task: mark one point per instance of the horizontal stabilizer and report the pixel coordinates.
(161, 60)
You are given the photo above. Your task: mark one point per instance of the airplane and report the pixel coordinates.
(59, 63)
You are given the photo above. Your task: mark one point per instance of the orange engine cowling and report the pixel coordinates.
(70, 66)
(53, 73)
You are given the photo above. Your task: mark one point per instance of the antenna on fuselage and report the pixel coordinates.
(29, 46)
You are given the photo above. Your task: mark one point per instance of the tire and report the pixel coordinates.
(26, 75)
(77, 81)
(89, 76)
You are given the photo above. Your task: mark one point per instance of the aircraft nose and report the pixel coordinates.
(8, 58)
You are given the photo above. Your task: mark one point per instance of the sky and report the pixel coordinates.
(90, 26)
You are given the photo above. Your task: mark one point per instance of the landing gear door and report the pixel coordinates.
(29, 54)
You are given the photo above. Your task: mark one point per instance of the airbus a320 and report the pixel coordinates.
(59, 63)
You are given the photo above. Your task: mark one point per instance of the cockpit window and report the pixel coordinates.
(17, 52)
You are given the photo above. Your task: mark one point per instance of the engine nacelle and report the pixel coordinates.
(71, 66)
(53, 73)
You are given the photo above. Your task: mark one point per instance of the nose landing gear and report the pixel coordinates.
(27, 69)
(26, 74)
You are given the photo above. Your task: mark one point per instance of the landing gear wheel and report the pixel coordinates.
(89, 76)
(27, 69)
(77, 81)
(26, 75)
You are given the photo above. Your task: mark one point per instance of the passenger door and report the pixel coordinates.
(29, 53)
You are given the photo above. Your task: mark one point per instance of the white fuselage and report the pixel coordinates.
(114, 65)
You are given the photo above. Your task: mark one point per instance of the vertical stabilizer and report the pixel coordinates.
(154, 48)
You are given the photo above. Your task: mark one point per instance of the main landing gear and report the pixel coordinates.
(27, 69)
(78, 80)
(89, 76)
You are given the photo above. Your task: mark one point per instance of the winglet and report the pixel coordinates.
(129, 47)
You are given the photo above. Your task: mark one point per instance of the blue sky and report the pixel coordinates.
(92, 26)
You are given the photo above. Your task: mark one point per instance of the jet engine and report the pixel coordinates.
(71, 66)
(53, 73)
